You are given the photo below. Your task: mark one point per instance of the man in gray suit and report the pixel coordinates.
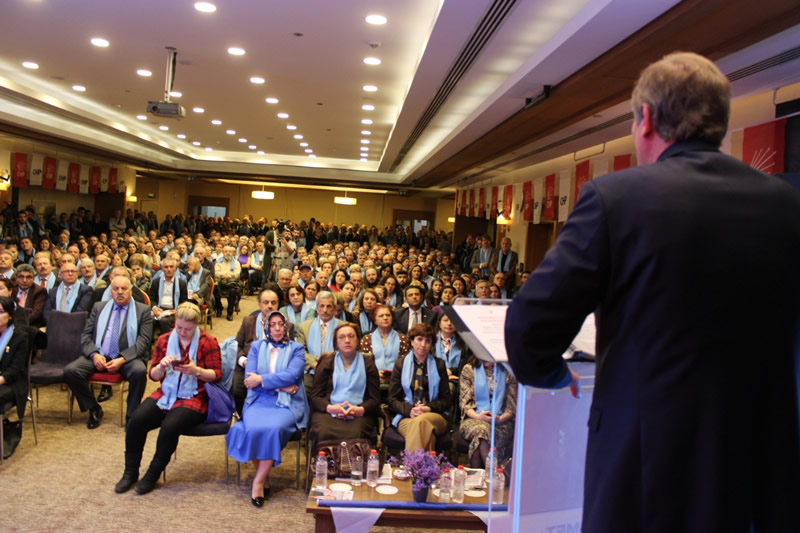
(110, 345)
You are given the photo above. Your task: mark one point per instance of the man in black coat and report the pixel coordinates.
(691, 263)
(407, 317)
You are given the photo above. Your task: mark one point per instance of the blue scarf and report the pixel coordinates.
(482, 393)
(349, 385)
(393, 300)
(305, 313)
(26, 230)
(315, 337)
(194, 281)
(106, 294)
(51, 280)
(71, 297)
(176, 291)
(366, 324)
(385, 356)
(259, 326)
(176, 385)
(407, 377)
(351, 305)
(258, 258)
(103, 273)
(500, 261)
(7, 337)
(91, 283)
(298, 407)
(454, 357)
(131, 326)
(234, 262)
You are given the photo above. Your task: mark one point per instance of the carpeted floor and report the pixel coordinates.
(66, 482)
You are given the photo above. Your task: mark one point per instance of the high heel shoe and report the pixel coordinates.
(259, 501)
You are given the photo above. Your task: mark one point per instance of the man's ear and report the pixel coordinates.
(646, 124)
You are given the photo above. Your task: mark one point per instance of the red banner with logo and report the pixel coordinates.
(471, 209)
(482, 202)
(527, 201)
(19, 166)
(581, 177)
(493, 213)
(549, 197)
(94, 180)
(112, 181)
(508, 202)
(74, 177)
(621, 162)
(763, 146)
(50, 172)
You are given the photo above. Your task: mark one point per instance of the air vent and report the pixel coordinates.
(774, 61)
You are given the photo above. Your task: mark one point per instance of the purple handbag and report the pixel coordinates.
(220, 404)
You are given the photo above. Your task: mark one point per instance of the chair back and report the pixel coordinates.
(64, 336)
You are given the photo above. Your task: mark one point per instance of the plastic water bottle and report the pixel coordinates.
(321, 472)
(498, 487)
(459, 482)
(491, 464)
(373, 464)
(445, 486)
(344, 458)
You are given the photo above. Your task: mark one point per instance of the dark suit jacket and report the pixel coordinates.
(205, 286)
(14, 367)
(400, 322)
(247, 334)
(82, 303)
(35, 301)
(511, 273)
(692, 266)
(182, 297)
(140, 350)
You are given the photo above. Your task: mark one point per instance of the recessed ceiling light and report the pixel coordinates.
(366, 132)
(256, 80)
(271, 100)
(368, 107)
(283, 115)
(260, 152)
(291, 127)
(364, 148)
(30, 64)
(141, 117)
(216, 122)
(181, 136)
(164, 128)
(196, 143)
(143, 72)
(99, 42)
(363, 159)
(375, 19)
(205, 7)
(231, 132)
(298, 136)
(312, 156)
(175, 94)
(198, 110)
(370, 88)
(242, 140)
(208, 149)
(304, 144)
(366, 121)
(364, 141)
(79, 88)
(372, 61)
(308, 150)
(236, 51)
(252, 146)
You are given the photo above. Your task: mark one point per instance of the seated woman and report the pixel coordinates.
(365, 310)
(451, 349)
(394, 293)
(346, 393)
(487, 391)
(310, 290)
(348, 293)
(339, 278)
(183, 361)
(448, 295)
(433, 297)
(340, 307)
(13, 359)
(384, 344)
(298, 310)
(419, 395)
(276, 403)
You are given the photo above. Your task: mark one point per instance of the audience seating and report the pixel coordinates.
(211, 430)
(393, 440)
(106, 378)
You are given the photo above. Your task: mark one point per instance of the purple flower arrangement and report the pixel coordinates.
(423, 467)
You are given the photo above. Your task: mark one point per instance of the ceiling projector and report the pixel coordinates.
(166, 109)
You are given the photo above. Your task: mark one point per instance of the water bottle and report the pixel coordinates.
(445, 486)
(373, 464)
(321, 472)
(491, 464)
(357, 470)
(344, 458)
(459, 482)
(498, 487)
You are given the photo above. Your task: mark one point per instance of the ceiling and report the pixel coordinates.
(451, 86)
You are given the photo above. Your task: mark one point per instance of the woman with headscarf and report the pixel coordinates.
(275, 406)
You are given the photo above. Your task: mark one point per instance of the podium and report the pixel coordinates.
(546, 491)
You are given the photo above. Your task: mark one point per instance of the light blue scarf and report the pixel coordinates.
(7, 337)
(71, 297)
(26, 230)
(131, 326)
(407, 377)
(500, 261)
(51, 280)
(106, 294)
(194, 281)
(393, 300)
(91, 283)
(306, 312)
(349, 385)
(351, 305)
(176, 291)
(298, 407)
(315, 337)
(454, 357)
(482, 393)
(259, 326)
(234, 262)
(258, 258)
(366, 324)
(175, 384)
(385, 356)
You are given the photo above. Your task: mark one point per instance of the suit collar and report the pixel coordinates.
(687, 146)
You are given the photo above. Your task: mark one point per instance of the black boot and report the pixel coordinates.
(150, 478)
(131, 474)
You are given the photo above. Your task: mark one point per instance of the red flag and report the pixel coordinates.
(493, 214)
(508, 203)
(19, 164)
(527, 201)
(549, 197)
(581, 177)
(621, 162)
(763, 146)
(112, 181)
(49, 175)
(482, 202)
(94, 180)
(470, 210)
(74, 177)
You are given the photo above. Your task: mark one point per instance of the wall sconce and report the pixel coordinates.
(502, 220)
(131, 199)
(451, 219)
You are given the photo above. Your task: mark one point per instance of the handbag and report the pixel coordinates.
(220, 404)
(337, 465)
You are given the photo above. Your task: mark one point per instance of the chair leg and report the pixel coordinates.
(297, 464)
(33, 419)
(2, 447)
(122, 389)
(70, 402)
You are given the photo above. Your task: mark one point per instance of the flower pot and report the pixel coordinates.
(420, 496)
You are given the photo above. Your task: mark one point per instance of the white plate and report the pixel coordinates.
(340, 486)
(386, 489)
(475, 493)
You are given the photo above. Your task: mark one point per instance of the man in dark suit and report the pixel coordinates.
(162, 295)
(482, 256)
(407, 317)
(690, 261)
(505, 260)
(198, 285)
(30, 296)
(108, 345)
(64, 298)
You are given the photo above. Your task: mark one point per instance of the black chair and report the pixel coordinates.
(300, 436)
(209, 430)
(63, 346)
